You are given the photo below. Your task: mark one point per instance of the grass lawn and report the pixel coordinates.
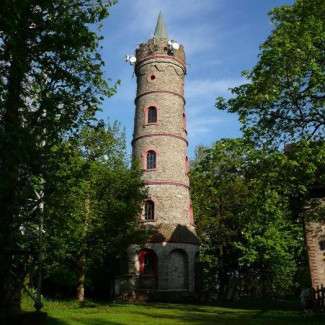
(70, 313)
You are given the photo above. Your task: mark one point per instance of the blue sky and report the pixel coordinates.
(221, 39)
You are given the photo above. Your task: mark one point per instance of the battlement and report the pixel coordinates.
(156, 47)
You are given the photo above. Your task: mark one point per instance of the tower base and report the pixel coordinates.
(160, 271)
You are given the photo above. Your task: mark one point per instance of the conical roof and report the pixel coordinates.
(161, 30)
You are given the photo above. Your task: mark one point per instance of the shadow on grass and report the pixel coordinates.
(55, 321)
(88, 321)
(164, 313)
(31, 318)
(96, 321)
(238, 318)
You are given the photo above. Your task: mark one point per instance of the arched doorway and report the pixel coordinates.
(148, 262)
(178, 270)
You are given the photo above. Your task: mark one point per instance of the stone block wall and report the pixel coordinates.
(315, 235)
(176, 265)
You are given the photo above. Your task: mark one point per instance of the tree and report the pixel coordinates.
(283, 102)
(51, 82)
(252, 241)
(92, 206)
(284, 98)
(218, 192)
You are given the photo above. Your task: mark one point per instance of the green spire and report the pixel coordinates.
(160, 31)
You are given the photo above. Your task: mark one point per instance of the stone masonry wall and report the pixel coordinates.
(171, 204)
(165, 272)
(315, 234)
(170, 114)
(160, 83)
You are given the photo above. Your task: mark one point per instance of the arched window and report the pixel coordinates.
(151, 159)
(152, 114)
(322, 245)
(149, 210)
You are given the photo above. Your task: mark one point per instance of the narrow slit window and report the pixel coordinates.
(151, 159)
(152, 114)
(149, 210)
(187, 165)
(184, 122)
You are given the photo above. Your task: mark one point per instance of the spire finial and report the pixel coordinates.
(160, 31)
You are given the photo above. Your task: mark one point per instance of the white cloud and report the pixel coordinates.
(207, 87)
(198, 126)
(183, 19)
(179, 10)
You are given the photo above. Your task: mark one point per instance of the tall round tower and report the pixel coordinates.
(167, 261)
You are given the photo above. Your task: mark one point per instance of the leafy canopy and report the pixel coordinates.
(251, 239)
(51, 83)
(92, 206)
(284, 98)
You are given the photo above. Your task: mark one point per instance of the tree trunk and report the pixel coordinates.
(81, 262)
(11, 146)
(81, 275)
(11, 287)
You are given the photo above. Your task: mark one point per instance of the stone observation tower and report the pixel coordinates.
(166, 263)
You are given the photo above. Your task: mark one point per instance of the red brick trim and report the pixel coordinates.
(168, 57)
(160, 135)
(167, 182)
(160, 91)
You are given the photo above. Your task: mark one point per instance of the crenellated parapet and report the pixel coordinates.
(157, 48)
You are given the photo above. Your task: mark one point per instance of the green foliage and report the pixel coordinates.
(92, 203)
(283, 102)
(51, 83)
(284, 98)
(247, 205)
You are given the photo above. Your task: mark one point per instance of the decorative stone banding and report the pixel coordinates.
(159, 91)
(160, 135)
